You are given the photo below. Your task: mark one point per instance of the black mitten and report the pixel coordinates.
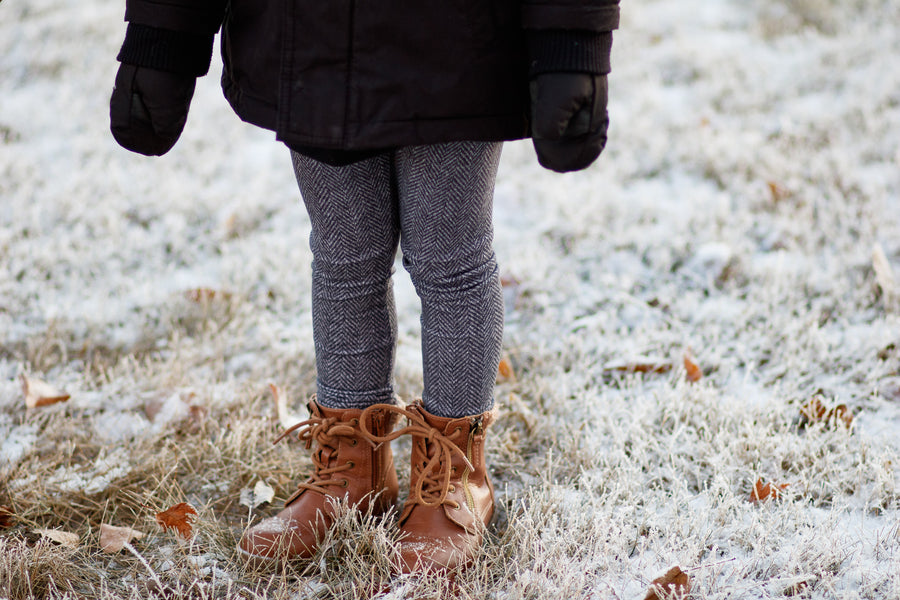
(569, 119)
(154, 87)
(149, 108)
(569, 96)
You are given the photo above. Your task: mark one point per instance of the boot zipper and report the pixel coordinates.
(474, 430)
(377, 479)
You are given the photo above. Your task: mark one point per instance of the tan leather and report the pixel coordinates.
(347, 465)
(451, 499)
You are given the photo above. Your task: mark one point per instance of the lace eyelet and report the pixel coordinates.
(354, 422)
(353, 441)
(451, 489)
(351, 463)
(455, 506)
(347, 483)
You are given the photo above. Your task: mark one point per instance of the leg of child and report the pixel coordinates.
(354, 237)
(446, 202)
(354, 240)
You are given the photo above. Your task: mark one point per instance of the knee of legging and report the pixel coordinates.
(472, 270)
(353, 271)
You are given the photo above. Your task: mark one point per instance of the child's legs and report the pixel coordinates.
(354, 237)
(446, 199)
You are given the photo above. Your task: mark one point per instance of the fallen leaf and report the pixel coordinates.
(260, 494)
(841, 413)
(888, 351)
(63, 538)
(675, 583)
(777, 191)
(511, 287)
(180, 518)
(884, 274)
(232, 228)
(816, 411)
(693, 370)
(505, 372)
(285, 418)
(206, 295)
(765, 491)
(198, 413)
(7, 517)
(797, 588)
(113, 539)
(639, 364)
(40, 393)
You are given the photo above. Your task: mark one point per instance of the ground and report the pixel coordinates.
(746, 214)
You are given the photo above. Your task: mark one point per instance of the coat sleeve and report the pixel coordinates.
(585, 15)
(199, 17)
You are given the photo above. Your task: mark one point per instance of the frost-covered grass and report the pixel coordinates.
(754, 164)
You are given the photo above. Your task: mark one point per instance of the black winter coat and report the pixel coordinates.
(365, 74)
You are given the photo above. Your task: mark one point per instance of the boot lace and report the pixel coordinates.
(432, 476)
(325, 433)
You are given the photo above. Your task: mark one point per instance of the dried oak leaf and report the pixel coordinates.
(180, 518)
(505, 372)
(40, 393)
(7, 517)
(675, 583)
(63, 538)
(765, 491)
(691, 368)
(113, 539)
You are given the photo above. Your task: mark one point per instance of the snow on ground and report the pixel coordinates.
(753, 165)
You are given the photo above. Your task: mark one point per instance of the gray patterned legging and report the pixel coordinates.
(436, 201)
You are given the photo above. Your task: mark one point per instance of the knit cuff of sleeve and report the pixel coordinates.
(165, 50)
(563, 50)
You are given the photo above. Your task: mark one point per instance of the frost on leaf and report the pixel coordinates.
(260, 494)
(113, 539)
(762, 492)
(40, 393)
(180, 518)
(674, 584)
(63, 538)
(7, 517)
(816, 411)
(691, 368)
(505, 372)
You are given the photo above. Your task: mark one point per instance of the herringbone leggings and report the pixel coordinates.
(436, 201)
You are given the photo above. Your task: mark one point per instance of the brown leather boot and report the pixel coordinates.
(451, 499)
(347, 465)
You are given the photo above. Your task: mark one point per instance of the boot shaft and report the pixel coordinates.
(457, 480)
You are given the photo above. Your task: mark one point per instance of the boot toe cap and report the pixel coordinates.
(424, 554)
(273, 539)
